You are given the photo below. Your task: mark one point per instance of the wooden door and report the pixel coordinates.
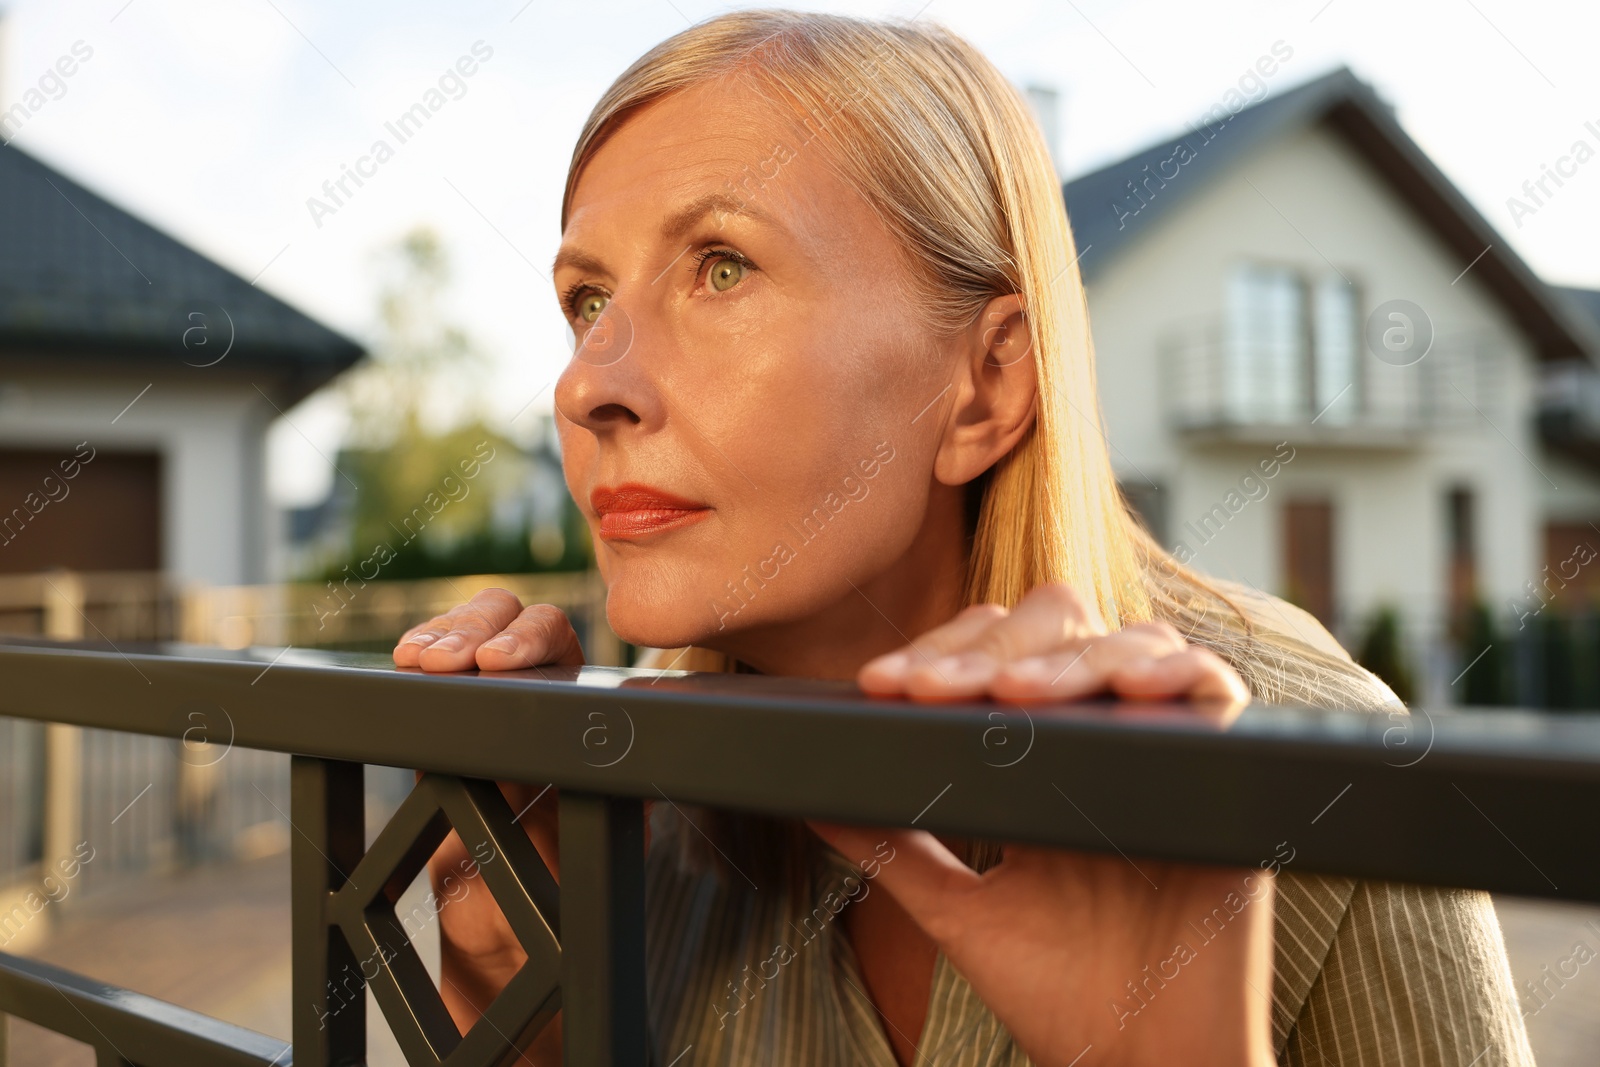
(1308, 556)
(105, 516)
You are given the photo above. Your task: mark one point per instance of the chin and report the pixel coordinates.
(651, 616)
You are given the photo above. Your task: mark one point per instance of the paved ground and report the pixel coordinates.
(217, 941)
(1564, 1017)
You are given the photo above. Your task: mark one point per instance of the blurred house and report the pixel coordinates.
(137, 381)
(530, 509)
(1325, 374)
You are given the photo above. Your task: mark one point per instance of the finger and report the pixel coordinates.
(1043, 620)
(1085, 670)
(924, 876)
(485, 615)
(541, 634)
(1196, 674)
(1046, 619)
(886, 674)
(420, 636)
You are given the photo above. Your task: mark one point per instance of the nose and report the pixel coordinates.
(606, 386)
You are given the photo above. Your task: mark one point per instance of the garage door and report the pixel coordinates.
(106, 517)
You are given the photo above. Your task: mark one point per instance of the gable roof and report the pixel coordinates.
(80, 276)
(1586, 299)
(1099, 203)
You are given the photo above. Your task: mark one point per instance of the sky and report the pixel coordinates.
(220, 120)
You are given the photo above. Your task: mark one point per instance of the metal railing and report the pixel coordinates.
(1483, 800)
(1219, 386)
(191, 808)
(350, 613)
(1569, 409)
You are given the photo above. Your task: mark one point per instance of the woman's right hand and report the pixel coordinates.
(479, 953)
(492, 632)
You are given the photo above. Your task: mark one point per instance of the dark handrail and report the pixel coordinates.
(125, 1027)
(1479, 799)
(1426, 791)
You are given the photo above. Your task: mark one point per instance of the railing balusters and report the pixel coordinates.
(329, 838)
(602, 931)
(1170, 790)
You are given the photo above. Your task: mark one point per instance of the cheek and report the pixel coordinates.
(804, 544)
(798, 518)
(779, 418)
(578, 450)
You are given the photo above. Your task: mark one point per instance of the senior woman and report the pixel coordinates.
(833, 388)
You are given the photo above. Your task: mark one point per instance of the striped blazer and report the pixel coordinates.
(1365, 973)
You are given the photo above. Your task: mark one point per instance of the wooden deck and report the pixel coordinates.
(217, 940)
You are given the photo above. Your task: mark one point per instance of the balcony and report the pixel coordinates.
(1569, 410)
(1216, 388)
(1158, 783)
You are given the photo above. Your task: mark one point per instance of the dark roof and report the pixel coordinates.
(1103, 224)
(1587, 299)
(80, 276)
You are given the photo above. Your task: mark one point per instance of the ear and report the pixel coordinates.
(996, 382)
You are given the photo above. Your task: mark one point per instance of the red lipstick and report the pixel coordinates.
(633, 510)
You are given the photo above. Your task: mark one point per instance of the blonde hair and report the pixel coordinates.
(947, 152)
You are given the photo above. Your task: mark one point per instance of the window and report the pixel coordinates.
(1338, 328)
(1291, 351)
(1266, 349)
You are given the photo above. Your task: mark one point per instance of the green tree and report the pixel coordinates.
(1482, 654)
(1558, 660)
(1383, 653)
(427, 466)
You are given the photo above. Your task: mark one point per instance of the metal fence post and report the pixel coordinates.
(602, 931)
(63, 602)
(329, 837)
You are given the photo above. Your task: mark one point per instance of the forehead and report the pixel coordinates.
(724, 136)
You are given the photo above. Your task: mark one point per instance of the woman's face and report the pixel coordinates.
(751, 419)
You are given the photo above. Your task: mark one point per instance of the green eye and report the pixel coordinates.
(590, 306)
(725, 274)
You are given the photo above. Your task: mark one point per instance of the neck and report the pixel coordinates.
(920, 590)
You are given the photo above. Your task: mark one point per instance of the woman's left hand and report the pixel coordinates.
(1055, 942)
(1052, 646)
(1075, 952)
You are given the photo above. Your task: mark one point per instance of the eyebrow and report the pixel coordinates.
(685, 218)
(676, 225)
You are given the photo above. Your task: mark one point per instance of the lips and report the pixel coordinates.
(633, 510)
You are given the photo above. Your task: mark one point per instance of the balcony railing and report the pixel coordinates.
(1217, 387)
(1569, 410)
(1484, 800)
(196, 811)
(349, 613)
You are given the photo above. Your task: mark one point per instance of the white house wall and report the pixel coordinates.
(215, 526)
(1390, 535)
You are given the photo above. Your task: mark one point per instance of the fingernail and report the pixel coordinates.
(1032, 669)
(894, 663)
(968, 667)
(423, 639)
(448, 643)
(503, 643)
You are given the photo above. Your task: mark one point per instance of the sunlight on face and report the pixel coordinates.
(741, 424)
